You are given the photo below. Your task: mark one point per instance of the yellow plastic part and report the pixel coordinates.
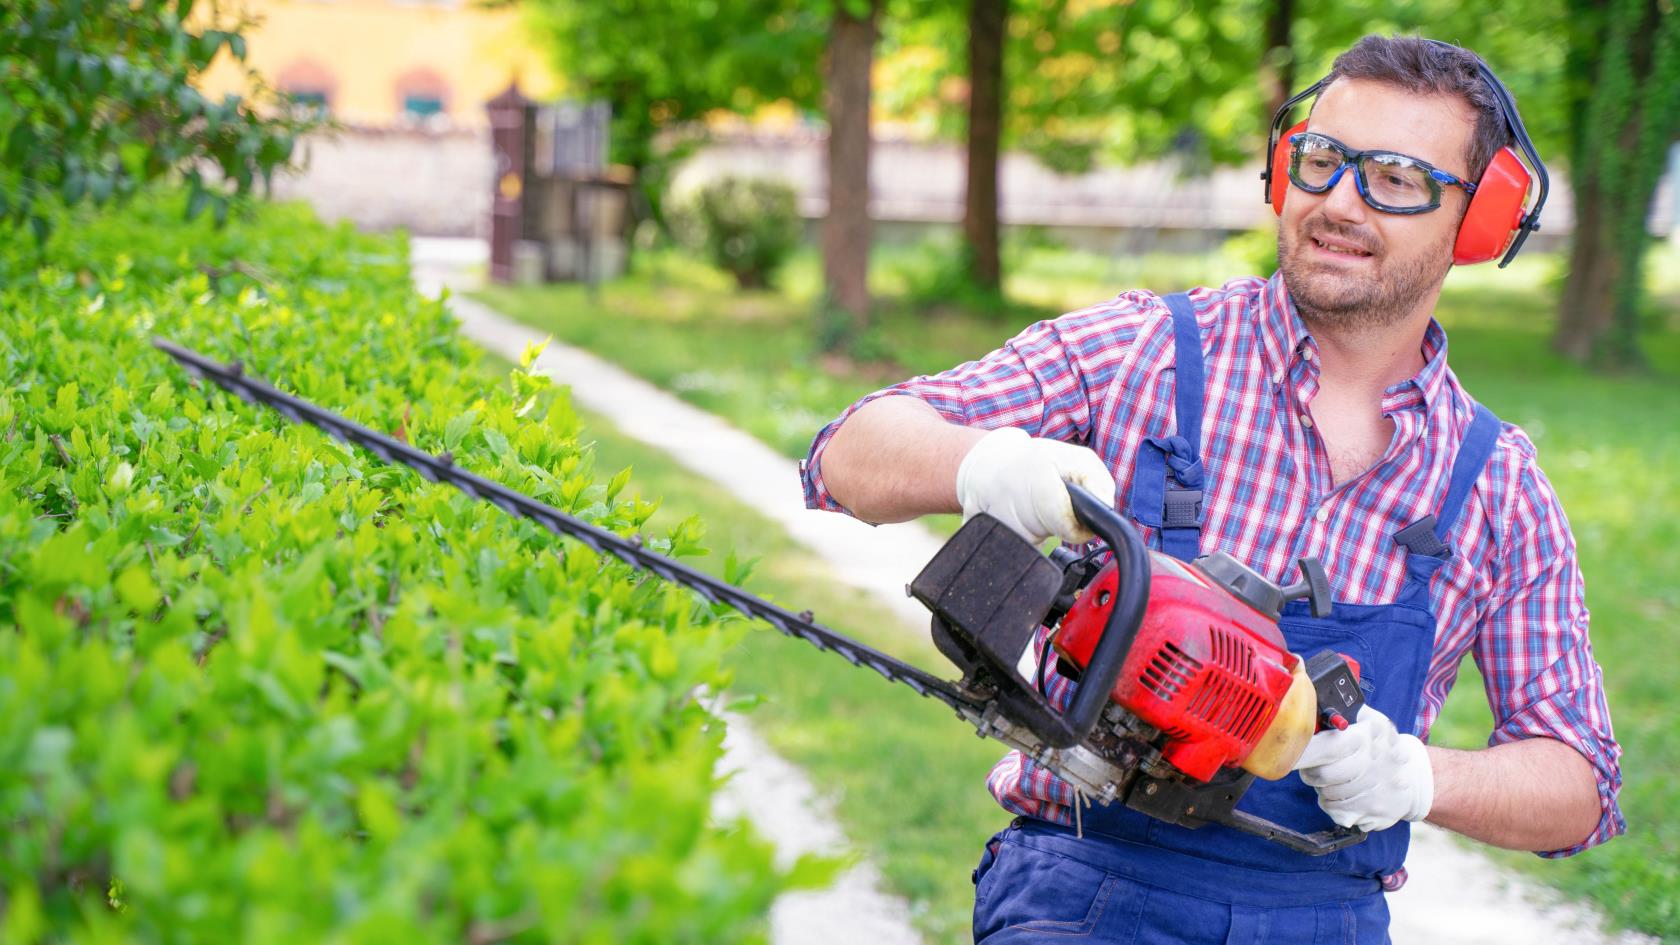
(1282, 743)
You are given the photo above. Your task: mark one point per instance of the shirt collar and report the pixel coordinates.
(1281, 330)
(1427, 384)
(1284, 338)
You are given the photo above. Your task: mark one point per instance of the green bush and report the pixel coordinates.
(256, 686)
(99, 97)
(746, 227)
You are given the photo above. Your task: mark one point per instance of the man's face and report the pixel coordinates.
(1348, 264)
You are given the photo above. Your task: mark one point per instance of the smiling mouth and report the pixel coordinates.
(1340, 249)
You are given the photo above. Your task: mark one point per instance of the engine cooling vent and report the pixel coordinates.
(1229, 698)
(1233, 654)
(1169, 671)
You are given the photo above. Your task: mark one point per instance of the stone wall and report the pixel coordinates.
(915, 185)
(437, 183)
(431, 182)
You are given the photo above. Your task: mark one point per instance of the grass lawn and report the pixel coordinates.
(1609, 444)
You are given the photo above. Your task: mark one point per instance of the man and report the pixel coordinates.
(1327, 424)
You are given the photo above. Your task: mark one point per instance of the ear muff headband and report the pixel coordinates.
(1275, 178)
(1495, 221)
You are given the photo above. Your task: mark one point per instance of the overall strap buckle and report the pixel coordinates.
(1167, 479)
(1181, 508)
(1420, 538)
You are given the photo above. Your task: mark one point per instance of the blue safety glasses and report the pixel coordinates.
(1390, 182)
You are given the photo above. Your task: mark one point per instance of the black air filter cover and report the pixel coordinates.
(991, 590)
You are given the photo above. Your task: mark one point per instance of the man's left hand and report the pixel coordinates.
(1369, 775)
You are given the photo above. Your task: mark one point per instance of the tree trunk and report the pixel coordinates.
(1277, 60)
(851, 51)
(1585, 307)
(1626, 116)
(986, 23)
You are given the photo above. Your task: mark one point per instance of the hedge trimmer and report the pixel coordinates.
(1185, 691)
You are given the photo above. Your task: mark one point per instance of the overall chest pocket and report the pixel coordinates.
(1307, 638)
(1391, 644)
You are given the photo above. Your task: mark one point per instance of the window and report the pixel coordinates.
(422, 106)
(309, 84)
(310, 100)
(424, 98)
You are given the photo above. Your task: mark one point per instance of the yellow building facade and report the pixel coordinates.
(383, 63)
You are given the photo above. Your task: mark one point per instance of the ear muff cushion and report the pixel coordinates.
(1495, 211)
(1280, 167)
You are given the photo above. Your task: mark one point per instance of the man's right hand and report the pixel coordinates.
(1019, 480)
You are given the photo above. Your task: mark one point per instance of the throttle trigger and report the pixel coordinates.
(1335, 679)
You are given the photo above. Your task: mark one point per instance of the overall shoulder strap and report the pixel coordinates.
(1191, 378)
(1174, 504)
(1428, 535)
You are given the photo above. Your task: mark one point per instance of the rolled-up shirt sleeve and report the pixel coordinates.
(1534, 653)
(1040, 381)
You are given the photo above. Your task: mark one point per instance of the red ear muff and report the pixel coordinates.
(1495, 211)
(1280, 167)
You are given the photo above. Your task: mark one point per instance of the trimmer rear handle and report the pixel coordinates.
(1126, 615)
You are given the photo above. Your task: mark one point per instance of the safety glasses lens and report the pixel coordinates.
(1397, 181)
(1388, 181)
(1315, 162)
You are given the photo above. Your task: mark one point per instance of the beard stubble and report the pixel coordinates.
(1340, 301)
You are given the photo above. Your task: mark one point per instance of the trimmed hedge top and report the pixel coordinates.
(256, 686)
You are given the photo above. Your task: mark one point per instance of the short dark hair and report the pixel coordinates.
(1421, 65)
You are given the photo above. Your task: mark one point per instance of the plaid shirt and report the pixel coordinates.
(1511, 594)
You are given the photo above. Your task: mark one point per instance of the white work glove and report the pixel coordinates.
(1018, 479)
(1369, 775)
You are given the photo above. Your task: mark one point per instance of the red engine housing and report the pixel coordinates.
(1206, 669)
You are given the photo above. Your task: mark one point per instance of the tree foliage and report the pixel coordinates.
(1089, 80)
(1624, 103)
(1123, 80)
(96, 100)
(663, 65)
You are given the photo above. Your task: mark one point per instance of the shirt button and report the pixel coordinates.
(1306, 421)
(1323, 513)
(1306, 353)
(1277, 378)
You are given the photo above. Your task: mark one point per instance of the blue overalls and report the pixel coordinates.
(1133, 880)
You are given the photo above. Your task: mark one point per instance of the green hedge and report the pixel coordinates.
(257, 687)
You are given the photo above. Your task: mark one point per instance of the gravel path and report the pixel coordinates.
(789, 812)
(1455, 896)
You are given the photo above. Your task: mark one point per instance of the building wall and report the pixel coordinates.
(367, 54)
(435, 183)
(438, 182)
(921, 182)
